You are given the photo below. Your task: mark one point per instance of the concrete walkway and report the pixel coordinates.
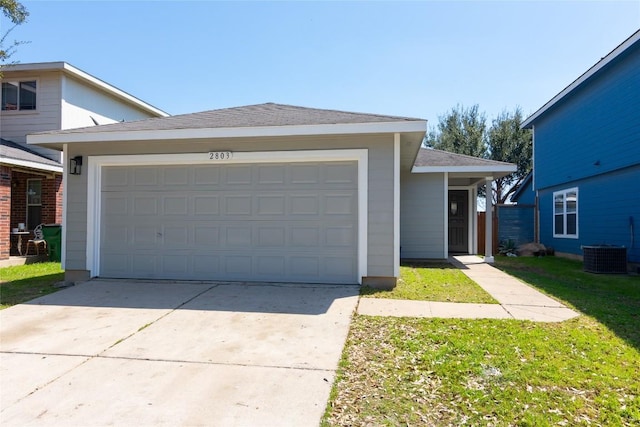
(516, 300)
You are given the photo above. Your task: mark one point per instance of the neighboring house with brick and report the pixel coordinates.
(586, 163)
(43, 97)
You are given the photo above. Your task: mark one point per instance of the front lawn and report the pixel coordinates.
(404, 371)
(22, 283)
(432, 281)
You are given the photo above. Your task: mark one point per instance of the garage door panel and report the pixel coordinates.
(271, 267)
(237, 204)
(301, 236)
(270, 237)
(204, 175)
(206, 236)
(238, 237)
(175, 205)
(175, 264)
(174, 176)
(206, 205)
(270, 175)
(237, 175)
(339, 203)
(270, 204)
(340, 174)
(206, 266)
(270, 222)
(144, 177)
(304, 204)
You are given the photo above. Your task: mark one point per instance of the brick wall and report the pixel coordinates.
(5, 211)
(51, 201)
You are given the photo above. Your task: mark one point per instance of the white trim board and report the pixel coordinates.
(469, 169)
(94, 184)
(31, 165)
(396, 205)
(63, 137)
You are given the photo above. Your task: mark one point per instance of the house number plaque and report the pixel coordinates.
(220, 155)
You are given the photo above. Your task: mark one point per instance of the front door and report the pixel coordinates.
(458, 221)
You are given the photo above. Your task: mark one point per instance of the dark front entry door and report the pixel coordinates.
(458, 221)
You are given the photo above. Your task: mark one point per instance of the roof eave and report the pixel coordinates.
(505, 169)
(528, 123)
(30, 165)
(418, 126)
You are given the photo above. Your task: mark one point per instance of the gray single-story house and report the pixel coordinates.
(266, 193)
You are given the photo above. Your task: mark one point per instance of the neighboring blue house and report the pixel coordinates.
(587, 158)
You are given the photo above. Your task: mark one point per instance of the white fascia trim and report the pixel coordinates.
(467, 169)
(590, 72)
(232, 132)
(94, 184)
(396, 205)
(65, 174)
(445, 203)
(31, 165)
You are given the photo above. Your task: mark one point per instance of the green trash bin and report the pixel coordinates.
(53, 236)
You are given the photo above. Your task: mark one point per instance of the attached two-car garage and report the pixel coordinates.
(270, 221)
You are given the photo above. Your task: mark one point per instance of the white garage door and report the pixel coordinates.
(289, 222)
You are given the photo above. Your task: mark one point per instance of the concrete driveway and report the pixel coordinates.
(156, 353)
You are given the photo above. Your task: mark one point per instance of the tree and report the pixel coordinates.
(17, 14)
(464, 131)
(461, 130)
(508, 142)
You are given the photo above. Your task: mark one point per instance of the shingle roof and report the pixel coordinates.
(433, 157)
(259, 115)
(12, 150)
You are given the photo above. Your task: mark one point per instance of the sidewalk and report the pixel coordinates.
(516, 300)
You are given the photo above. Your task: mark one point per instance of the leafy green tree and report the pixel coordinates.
(17, 14)
(461, 130)
(507, 142)
(464, 131)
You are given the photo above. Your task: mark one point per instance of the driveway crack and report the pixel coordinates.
(143, 327)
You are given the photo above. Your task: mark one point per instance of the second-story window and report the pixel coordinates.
(19, 95)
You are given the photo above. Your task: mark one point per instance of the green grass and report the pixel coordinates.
(584, 371)
(613, 300)
(24, 282)
(432, 281)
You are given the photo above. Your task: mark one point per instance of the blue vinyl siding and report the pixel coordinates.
(516, 222)
(605, 205)
(598, 122)
(527, 196)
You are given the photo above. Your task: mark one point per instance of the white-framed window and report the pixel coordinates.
(19, 95)
(34, 203)
(565, 213)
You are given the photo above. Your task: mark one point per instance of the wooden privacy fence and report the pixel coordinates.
(482, 232)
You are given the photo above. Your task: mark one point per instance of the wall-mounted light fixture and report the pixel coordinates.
(454, 208)
(75, 165)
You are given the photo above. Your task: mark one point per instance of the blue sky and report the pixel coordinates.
(415, 59)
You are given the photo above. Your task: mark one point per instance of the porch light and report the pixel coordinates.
(454, 208)
(75, 165)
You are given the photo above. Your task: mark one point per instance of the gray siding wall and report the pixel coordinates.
(380, 198)
(422, 221)
(15, 125)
